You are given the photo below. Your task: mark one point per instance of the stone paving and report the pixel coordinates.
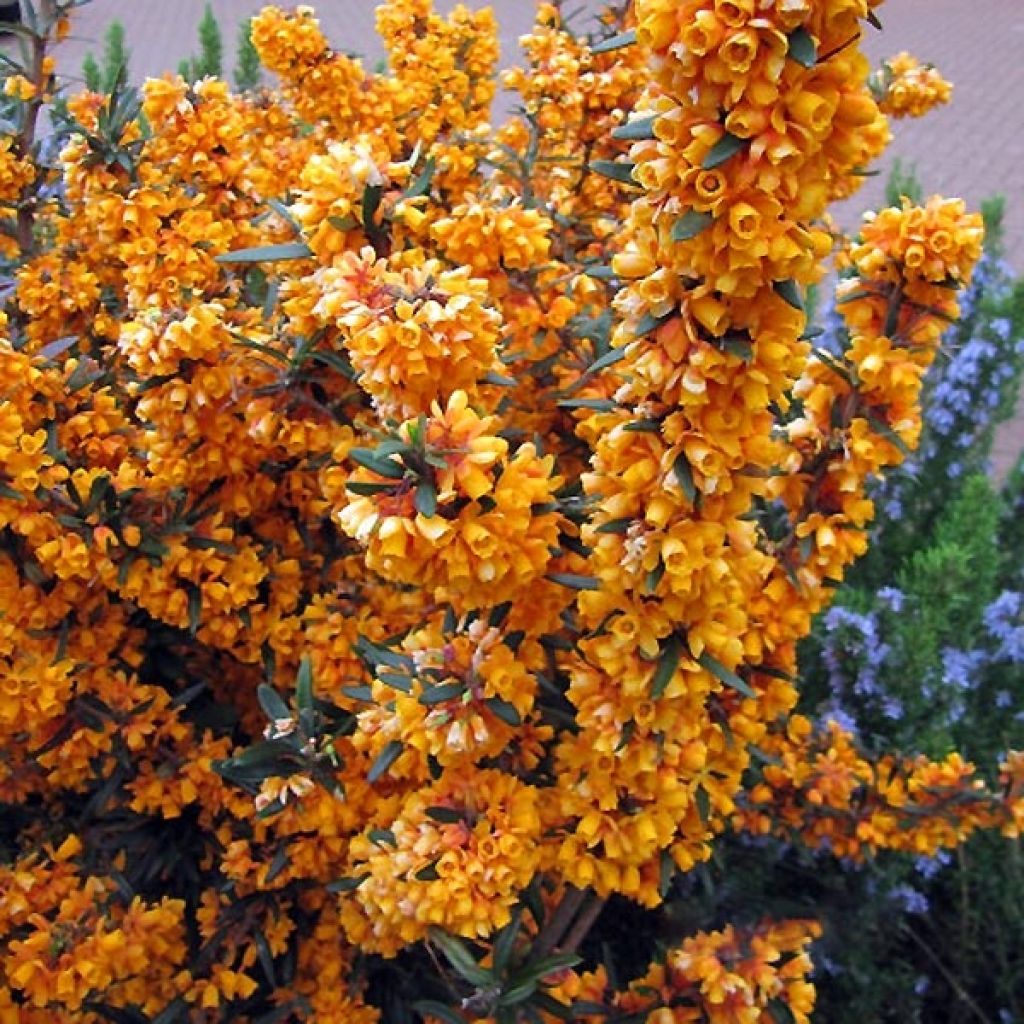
(972, 148)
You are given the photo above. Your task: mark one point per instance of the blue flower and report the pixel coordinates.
(1004, 624)
(893, 598)
(960, 669)
(908, 899)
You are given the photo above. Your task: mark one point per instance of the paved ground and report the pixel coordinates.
(972, 148)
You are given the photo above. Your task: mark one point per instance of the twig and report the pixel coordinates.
(590, 913)
(947, 974)
(559, 922)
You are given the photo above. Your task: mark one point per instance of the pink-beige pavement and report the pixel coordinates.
(974, 147)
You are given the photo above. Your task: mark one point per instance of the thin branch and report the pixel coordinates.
(590, 913)
(557, 925)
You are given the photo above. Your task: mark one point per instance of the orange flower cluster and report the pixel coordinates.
(752, 975)
(414, 334)
(820, 789)
(670, 687)
(860, 413)
(465, 529)
(905, 87)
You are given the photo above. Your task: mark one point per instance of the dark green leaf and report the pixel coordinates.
(668, 662)
(725, 675)
(421, 186)
(684, 475)
(574, 581)
(346, 884)
(617, 526)
(643, 427)
(620, 172)
(363, 693)
(396, 681)
(268, 253)
(802, 48)
(278, 864)
(371, 204)
(445, 815)
(666, 872)
(610, 358)
(505, 942)
(703, 801)
(789, 292)
(597, 404)
(637, 130)
(195, 608)
(304, 685)
(440, 694)
(499, 613)
(649, 322)
(724, 149)
(428, 873)
(273, 705)
(461, 959)
(385, 759)
(504, 710)
(691, 224)
(379, 464)
(378, 654)
(366, 488)
(426, 499)
(616, 42)
(382, 837)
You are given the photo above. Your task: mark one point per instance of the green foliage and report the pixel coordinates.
(211, 46)
(91, 73)
(1011, 526)
(248, 71)
(903, 181)
(115, 56)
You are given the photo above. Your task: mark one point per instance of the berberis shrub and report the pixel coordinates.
(407, 524)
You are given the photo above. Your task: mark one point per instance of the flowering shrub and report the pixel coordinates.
(406, 528)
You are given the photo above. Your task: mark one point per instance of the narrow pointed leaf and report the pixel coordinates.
(504, 710)
(691, 224)
(668, 662)
(304, 685)
(272, 703)
(461, 959)
(725, 675)
(268, 253)
(684, 475)
(789, 292)
(802, 48)
(621, 172)
(724, 149)
(385, 759)
(616, 42)
(379, 464)
(637, 130)
(426, 499)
